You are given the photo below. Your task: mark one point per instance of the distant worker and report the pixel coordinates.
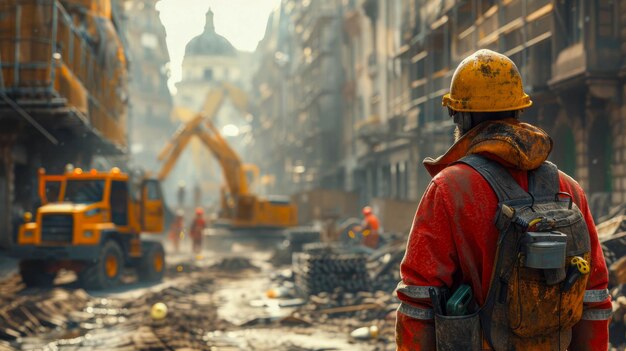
(181, 194)
(370, 228)
(197, 227)
(177, 230)
(503, 253)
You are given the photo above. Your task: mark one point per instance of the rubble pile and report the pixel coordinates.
(234, 264)
(190, 309)
(346, 287)
(35, 312)
(63, 319)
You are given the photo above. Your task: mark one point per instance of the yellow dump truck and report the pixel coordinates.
(91, 222)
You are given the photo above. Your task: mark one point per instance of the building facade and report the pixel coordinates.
(299, 88)
(274, 144)
(571, 57)
(150, 100)
(397, 60)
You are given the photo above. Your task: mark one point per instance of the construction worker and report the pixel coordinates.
(492, 192)
(197, 227)
(370, 228)
(177, 230)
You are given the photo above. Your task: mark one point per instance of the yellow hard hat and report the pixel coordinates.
(486, 82)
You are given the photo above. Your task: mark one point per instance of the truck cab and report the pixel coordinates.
(91, 222)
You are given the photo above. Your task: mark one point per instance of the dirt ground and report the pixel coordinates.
(210, 307)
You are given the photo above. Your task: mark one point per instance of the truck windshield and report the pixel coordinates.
(84, 191)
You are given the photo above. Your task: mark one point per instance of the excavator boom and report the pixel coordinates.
(239, 205)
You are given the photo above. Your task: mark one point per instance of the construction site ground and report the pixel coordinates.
(216, 301)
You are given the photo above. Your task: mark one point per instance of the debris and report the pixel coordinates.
(233, 264)
(275, 293)
(324, 272)
(291, 303)
(354, 308)
(611, 227)
(293, 321)
(365, 333)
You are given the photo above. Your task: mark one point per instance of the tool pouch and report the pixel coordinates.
(455, 333)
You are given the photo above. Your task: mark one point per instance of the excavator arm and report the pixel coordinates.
(172, 150)
(233, 169)
(230, 162)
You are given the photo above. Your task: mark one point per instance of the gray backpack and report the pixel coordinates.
(542, 261)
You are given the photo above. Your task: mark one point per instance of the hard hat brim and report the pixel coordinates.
(466, 106)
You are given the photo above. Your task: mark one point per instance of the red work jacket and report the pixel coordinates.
(372, 224)
(438, 255)
(197, 226)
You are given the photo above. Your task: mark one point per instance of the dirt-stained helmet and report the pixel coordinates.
(486, 81)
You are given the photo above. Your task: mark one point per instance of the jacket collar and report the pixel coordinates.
(515, 144)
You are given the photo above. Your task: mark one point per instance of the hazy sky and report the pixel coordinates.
(242, 22)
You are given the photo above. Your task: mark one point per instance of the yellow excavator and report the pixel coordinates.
(240, 208)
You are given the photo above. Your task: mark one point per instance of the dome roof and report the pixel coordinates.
(209, 42)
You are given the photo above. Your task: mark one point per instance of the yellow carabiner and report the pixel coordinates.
(581, 264)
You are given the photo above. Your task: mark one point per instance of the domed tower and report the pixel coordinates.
(209, 58)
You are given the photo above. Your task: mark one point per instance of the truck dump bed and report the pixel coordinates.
(65, 58)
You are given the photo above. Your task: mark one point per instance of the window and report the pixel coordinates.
(152, 190)
(486, 5)
(52, 191)
(440, 47)
(84, 191)
(119, 202)
(573, 13)
(208, 74)
(465, 16)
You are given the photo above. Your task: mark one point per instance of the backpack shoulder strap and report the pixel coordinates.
(543, 182)
(500, 180)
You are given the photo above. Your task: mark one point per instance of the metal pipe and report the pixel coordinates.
(16, 64)
(53, 50)
(28, 118)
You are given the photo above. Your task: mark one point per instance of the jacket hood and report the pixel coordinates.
(515, 144)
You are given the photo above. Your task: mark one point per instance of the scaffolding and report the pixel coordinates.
(65, 66)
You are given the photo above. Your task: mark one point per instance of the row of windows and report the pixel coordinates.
(437, 48)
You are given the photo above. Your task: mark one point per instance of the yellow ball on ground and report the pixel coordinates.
(158, 311)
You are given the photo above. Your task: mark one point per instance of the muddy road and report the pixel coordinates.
(215, 302)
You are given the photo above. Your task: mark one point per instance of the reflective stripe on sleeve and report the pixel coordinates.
(414, 291)
(415, 312)
(597, 315)
(596, 295)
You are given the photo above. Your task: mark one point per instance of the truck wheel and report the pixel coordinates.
(152, 265)
(107, 270)
(34, 274)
